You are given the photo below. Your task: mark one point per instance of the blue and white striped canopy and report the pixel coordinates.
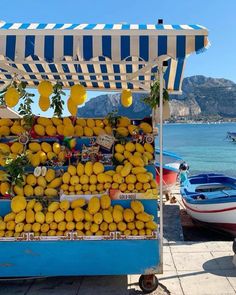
(99, 56)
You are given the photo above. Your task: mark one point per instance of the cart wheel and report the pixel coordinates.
(148, 283)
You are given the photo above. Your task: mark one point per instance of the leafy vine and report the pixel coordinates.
(57, 101)
(153, 99)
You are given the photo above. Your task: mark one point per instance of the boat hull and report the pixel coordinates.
(220, 216)
(169, 177)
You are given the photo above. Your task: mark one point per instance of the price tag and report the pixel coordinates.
(105, 141)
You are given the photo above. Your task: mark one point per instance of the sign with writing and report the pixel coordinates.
(105, 141)
(116, 194)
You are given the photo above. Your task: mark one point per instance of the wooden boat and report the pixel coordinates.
(171, 164)
(231, 135)
(211, 199)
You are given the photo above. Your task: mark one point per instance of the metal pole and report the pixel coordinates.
(160, 71)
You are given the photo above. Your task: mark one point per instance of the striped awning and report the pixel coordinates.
(99, 56)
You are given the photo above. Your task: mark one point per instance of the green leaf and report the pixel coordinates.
(153, 99)
(57, 101)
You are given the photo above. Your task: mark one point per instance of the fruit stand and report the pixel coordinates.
(78, 195)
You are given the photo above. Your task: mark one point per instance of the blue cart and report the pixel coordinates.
(107, 57)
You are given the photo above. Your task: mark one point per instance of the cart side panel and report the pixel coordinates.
(64, 258)
(84, 257)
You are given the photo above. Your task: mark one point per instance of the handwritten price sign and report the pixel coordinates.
(105, 141)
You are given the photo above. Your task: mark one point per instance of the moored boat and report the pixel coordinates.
(231, 135)
(171, 164)
(211, 199)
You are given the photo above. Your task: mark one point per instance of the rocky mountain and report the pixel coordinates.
(202, 97)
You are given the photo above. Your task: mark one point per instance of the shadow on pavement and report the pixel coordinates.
(226, 266)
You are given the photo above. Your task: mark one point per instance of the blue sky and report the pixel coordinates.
(217, 15)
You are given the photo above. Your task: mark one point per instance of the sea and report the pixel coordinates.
(204, 147)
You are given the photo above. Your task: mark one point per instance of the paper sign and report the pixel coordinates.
(116, 194)
(105, 141)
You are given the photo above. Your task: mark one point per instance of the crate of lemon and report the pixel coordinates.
(80, 218)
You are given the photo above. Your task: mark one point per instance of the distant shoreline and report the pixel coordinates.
(197, 122)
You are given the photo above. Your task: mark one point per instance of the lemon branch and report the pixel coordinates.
(153, 99)
(57, 101)
(25, 109)
(15, 169)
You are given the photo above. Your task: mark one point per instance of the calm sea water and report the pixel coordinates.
(203, 146)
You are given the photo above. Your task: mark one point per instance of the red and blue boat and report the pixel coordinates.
(171, 163)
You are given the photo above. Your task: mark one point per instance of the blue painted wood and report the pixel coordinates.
(64, 258)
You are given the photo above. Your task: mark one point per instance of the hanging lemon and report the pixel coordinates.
(72, 107)
(44, 103)
(78, 94)
(126, 98)
(12, 97)
(45, 88)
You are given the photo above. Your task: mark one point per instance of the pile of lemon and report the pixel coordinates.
(40, 153)
(129, 151)
(88, 179)
(98, 217)
(126, 128)
(40, 186)
(73, 127)
(70, 127)
(10, 127)
(91, 178)
(12, 151)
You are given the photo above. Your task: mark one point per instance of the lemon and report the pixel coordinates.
(78, 94)
(88, 131)
(44, 103)
(72, 106)
(74, 180)
(121, 226)
(123, 131)
(90, 123)
(18, 204)
(79, 131)
(84, 179)
(81, 122)
(119, 157)
(56, 121)
(64, 205)
(12, 97)
(78, 214)
(88, 169)
(59, 216)
(147, 128)
(126, 98)
(20, 217)
(130, 147)
(72, 170)
(38, 191)
(123, 122)
(98, 168)
(45, 88)
(93, 205)
(49, 218)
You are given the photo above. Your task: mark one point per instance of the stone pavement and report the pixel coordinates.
(189, 269)
(198, 269)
